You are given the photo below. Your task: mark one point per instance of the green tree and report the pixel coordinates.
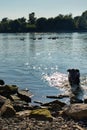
(50, 24)
(41, 24)
(23, 24)
(15, 25)
(4, 27)
(32, 18)
(83, 20)
(76, 22)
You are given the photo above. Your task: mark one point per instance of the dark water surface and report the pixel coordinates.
(30, 59)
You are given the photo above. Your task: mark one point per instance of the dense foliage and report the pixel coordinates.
(33, 24)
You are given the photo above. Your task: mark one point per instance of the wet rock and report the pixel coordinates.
(41, 114)
(24, 95)
(77, 111)
(11, 89)
(7, 109)
(2, 82)
(8, 90)
(54, 105)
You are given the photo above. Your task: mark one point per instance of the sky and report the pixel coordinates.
(43, 8)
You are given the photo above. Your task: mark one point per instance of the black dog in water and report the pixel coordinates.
(74, 77)
(74, 81)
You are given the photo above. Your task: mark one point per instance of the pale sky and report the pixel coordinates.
(43, 8)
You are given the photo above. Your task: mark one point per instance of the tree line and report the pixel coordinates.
(42, 24)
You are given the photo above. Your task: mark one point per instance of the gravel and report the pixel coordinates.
(25, 123)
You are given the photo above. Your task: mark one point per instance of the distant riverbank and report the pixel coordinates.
(57, 24)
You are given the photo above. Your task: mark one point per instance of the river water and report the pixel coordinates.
(39, 61)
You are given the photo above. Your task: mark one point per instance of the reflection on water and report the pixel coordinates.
(26, 62)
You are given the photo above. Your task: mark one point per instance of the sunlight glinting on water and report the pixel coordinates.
(41, 65)
(56, 79)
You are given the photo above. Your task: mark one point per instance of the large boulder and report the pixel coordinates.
(2, 82)
(7, 90)
(41, 114)
(7, 109)
(24, 95)
(77, 111)
(55, 105)
(18, 104)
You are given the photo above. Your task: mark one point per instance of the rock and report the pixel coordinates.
(7, 109)
(2, 82)
(24, 113)
(20, 105)
(11, 89)
(2, 100)
(8, 90)
(41, 114)
(2, 89)
(77, 111)
(54, 105)
(24, 95)
(38, 102)
(14, 98)
(77, 127)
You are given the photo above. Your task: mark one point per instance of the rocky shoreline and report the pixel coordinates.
(16, 112)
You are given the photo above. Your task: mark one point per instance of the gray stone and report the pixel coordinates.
(7, 109)
(24, 95)
(77, 111)
(24, 113)
(14, 98)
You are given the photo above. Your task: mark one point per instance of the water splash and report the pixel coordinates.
(56, 79)
(60, 81)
